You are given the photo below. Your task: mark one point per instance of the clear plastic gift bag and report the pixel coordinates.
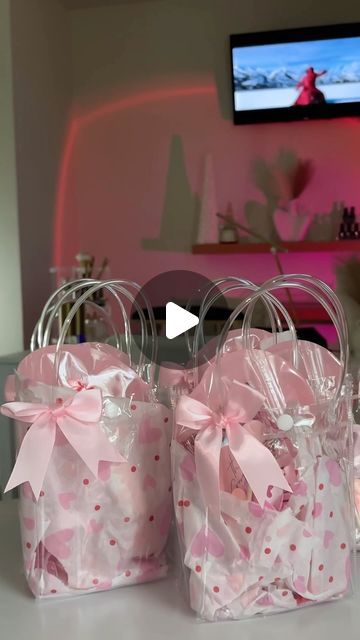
(321, 367)
(93, 461)
(357, 466)
(357, 485)
(262, 480)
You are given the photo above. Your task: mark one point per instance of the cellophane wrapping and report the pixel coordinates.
(87, 533)
(295, 549)
(357, 481)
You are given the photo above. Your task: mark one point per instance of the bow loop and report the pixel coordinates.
(244, 436)
(243, 402)
(194, 414)
(24, 411)
(78, 419)
(87, 412)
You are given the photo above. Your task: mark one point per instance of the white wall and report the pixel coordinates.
(10, 284)
(42, 95)
(135, 166)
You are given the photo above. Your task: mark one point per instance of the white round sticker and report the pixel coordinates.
(285, 422)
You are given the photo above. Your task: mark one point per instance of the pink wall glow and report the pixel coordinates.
(151, 98)
(132, 172)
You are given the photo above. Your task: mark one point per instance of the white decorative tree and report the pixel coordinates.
(208, 223)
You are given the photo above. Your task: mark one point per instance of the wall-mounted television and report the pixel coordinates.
(296, 74)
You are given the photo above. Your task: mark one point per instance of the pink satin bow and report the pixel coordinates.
(78, 420)
(255, 461)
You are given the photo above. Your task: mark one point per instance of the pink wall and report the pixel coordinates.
(151, 99)
(132, 181)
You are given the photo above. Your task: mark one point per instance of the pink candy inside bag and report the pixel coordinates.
(90, 531)
(262, 472)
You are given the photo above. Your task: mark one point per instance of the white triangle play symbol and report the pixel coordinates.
(178, 320)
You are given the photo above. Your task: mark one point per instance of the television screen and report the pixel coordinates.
(298, 74)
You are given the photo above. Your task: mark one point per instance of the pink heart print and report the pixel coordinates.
(266, 600)
(27, 491)
(149, 482)
(45, 560)
(334, 472)
(94, 526)
(328, 538)
(207, 541)
(235, 581)
(66, 499)
(57, 545)
(148, 433)
(300, 489)
(299, 584)
(244, 552)
(104, 472)
(255, 509)
(317, 510)
(285, 530)
(187, 468)
(115, 387)
(29, 523)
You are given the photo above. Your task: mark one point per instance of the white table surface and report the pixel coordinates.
(154, 611)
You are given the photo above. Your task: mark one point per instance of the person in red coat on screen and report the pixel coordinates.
(309, 93)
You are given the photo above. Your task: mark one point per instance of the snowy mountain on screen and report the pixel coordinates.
(248, 78)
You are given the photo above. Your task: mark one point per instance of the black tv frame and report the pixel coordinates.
(288, 114)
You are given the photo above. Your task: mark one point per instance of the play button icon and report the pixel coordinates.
(178, 320)
(175, 299)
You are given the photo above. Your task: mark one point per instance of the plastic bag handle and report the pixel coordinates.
(72, 288)
(274, 301)
(271, 303)
(92, 287)
(321, 291)
(78, 285)
(230, 280)
(113, 286)
(326, 290)
(282, 282)
(59, 295)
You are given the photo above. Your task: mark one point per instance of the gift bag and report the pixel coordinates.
(93, 462)
(262, 477)
(321, 367)
(357, 481)
(323, 370)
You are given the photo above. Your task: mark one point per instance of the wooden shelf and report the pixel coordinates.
(290, 247)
